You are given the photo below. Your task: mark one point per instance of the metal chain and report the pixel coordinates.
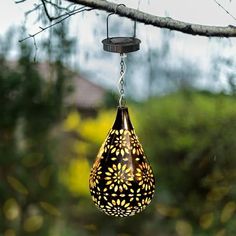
(121, 83)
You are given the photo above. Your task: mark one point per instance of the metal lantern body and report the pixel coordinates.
(121, 180)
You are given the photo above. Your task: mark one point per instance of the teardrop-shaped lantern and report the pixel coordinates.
(121, 180)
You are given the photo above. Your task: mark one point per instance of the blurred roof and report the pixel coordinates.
(86, 95)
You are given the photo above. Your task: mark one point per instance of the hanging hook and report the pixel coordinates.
(112, 14)
(117, 6)
(120, 44)
(135, 26)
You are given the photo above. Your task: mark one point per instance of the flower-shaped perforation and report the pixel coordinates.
(135, 195)
(95, 174)
(107, 145)
(136, 147)
(100, 193)
(118, 208)
(120, 145)
(143, 204)
(118, 177)
(145, 177)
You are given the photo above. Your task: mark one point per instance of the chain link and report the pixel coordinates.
(122, 81)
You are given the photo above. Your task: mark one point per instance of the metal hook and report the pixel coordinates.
(134, 34)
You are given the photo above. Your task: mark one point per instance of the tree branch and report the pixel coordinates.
(52, 18)
(225, 9)
(67, 15)
(20, 1)
(161, 22)
(37, 6)
(46, 11)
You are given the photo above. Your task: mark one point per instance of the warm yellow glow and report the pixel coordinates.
(76, 177)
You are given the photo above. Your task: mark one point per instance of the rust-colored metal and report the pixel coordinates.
(121, 44)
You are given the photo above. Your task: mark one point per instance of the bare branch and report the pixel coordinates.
(69, 14)
(37, 6)
(46, 11)
(20, 1)
(161, 22)
(59, 7)
(52, 18)
(225, 10)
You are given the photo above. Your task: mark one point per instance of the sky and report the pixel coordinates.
(201, 11)
(89, 28)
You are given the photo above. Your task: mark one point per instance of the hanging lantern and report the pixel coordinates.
(121, 180)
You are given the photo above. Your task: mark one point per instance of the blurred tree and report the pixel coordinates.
(223, 70)
(31, 107)
(191, 145)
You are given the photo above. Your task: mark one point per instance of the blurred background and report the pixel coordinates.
(58, 99)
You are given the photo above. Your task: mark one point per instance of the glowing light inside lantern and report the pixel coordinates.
(121, 180)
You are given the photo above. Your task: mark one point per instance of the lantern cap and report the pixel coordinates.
(121, 44)
(122, 120)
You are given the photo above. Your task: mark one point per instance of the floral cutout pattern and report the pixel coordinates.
(106, 146)
(145, 176)
(121, 180)
(118, 177)
(95, 175)
(135, 144)
(118, 208)
(120, 146)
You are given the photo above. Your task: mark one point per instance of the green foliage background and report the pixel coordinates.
(47, 148)
(189, 138)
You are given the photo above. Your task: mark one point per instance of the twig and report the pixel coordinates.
(20, 1)
(59, 7)
(46, 11)
(225, 10)
(67, 13)
(57, 22)
(32, 10)
(52, 18)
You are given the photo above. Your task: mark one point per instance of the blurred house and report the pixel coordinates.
(86, 96)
